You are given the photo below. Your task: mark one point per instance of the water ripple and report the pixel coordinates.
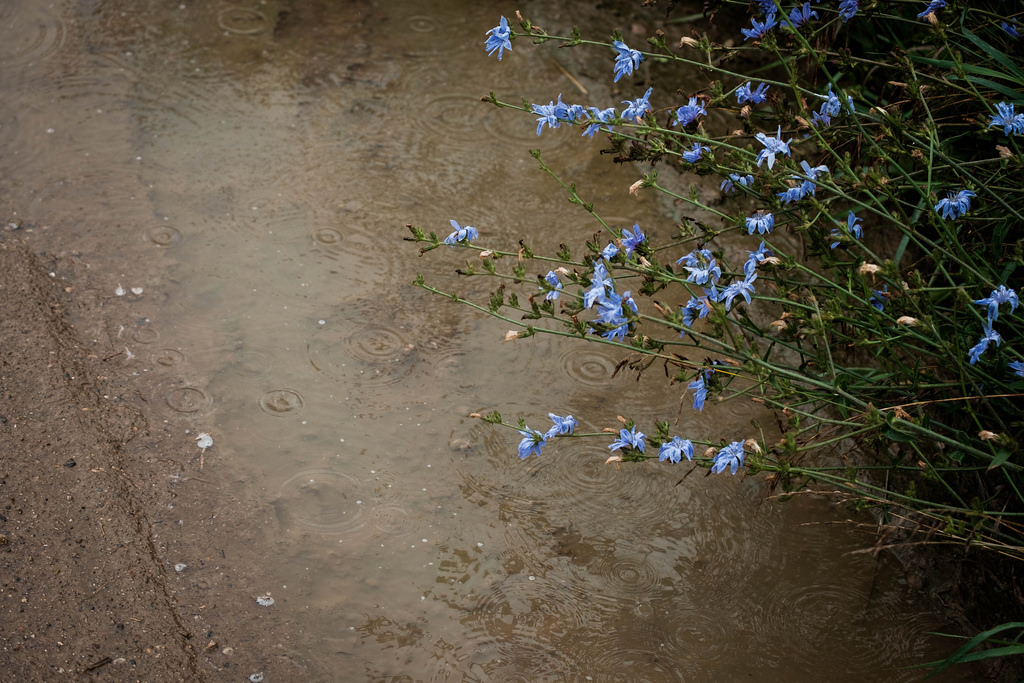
(320, 500)
(33, 32)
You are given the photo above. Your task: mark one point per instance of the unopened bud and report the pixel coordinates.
(906, 320)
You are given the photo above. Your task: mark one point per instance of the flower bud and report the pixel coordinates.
(906, 320)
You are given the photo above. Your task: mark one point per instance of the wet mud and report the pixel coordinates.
(110, 566)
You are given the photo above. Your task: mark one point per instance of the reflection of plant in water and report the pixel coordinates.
(894, 162)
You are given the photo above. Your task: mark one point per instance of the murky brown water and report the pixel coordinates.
(250, 166)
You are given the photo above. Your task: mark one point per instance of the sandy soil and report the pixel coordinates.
(97, 507)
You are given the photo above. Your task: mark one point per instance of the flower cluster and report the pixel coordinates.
(533, 440)
(993, 301)
(822, 301)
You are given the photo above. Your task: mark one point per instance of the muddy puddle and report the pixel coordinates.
(235, 177)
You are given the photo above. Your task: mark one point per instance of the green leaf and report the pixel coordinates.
(996, 55)
(964, 654)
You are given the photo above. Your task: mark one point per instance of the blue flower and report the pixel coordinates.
(694, 153)
(759, 29)
(933, 7)
(638, 107)
(879, 297)
(744, 287)
(626, 60)
(760, 221)
(702, 267)
(1010, 29)
(700, 391)
(1011, 122)
(609, 310)
(548, 115)
(609, 252)
(974, 353)
(756, 96)
(831, 106)
(847, 9)
(688, 113)
(629, 438)
(756, 258)
(694, 309)
(532, 442)
(997, 297)
(556, 286)
(599, 116)
(598, 282)
(562, 425)
(674, 450)
(955, 205)
(467, 233)
(812, 172)
(498, 39)
(553, 113)
(744, 180)
(772, 146)
(632, 240)
(801, 14)
(853, 227)
(571, 112)
(818, 120)
(731, 456)
(795, 194)
(1018, 368)
(610, 315)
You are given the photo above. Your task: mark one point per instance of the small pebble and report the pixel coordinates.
(180, 567)
(264, 601)
(256, 678)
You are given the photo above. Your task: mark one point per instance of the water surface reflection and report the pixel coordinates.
(251, 165)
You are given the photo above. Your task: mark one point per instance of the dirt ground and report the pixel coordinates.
(100, 508)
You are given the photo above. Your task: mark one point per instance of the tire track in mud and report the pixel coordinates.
(78, 560)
